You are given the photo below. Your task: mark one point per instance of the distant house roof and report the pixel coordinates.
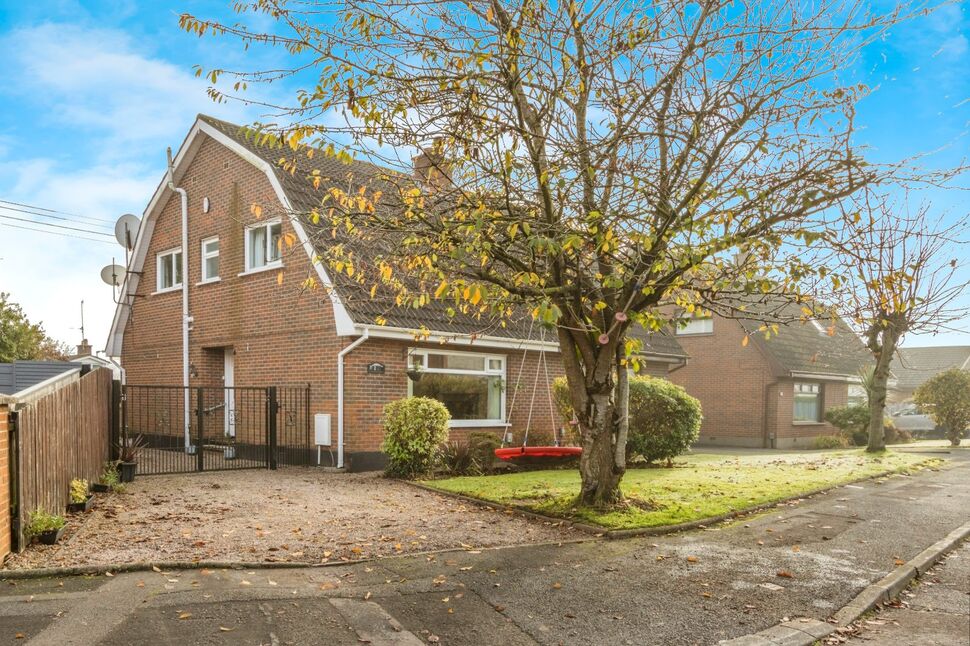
(913, 366)
(802, 347)
(21, 375)
(353, 302)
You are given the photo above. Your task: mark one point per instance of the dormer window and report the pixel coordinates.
(696, 325)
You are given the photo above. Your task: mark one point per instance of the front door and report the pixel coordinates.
(229, 383)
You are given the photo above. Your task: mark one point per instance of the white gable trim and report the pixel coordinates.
(187, 151)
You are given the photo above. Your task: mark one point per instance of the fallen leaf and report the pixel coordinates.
(692, 559)
(785, 574)
(224, 629)
(185, 615)
(556, 585)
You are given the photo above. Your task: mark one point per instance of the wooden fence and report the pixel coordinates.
(62, 436)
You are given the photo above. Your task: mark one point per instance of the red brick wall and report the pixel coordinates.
(729, 379)
(791, 434)
(281, 333)
(4, 483)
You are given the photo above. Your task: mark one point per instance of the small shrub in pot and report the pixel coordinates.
(80, 497)
(414, 430)
(46, 528)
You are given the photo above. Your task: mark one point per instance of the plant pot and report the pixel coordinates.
(127, 471)
(99, 487)
(230, 453)
(51, 536)
(75, 507)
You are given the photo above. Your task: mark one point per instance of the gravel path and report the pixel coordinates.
(293, 514)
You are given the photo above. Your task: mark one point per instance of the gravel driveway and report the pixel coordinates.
(294, 514)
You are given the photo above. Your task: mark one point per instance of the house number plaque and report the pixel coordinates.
(375, 368)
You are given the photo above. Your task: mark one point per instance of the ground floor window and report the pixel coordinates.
(471, 386)
(808, 402)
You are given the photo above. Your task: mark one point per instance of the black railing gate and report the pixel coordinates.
(212, 428)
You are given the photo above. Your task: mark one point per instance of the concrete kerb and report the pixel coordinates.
(144, 566)
(880, 592)
(598, 532)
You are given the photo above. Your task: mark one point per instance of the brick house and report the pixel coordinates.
(770, 393)
(255, 322)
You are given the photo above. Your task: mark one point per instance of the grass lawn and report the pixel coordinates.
(698, 486)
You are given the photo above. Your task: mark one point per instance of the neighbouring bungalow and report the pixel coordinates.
(254, 322)
(769, 393)
(913, 366)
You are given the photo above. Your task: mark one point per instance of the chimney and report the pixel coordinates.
(430, 167)
(83, 349)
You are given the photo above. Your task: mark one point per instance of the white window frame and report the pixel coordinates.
(273, 264)
(684, 330)
(819, 393)
(206, 255)
(176, 269)
(487, 372)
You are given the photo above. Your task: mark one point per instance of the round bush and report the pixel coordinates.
(414, 430)
(664, 419)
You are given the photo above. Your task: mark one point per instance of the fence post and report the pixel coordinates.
(199, 414)
(272, 407)
(116, 414)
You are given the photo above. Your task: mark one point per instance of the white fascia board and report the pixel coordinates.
(446, 338)
(851, 379)
(186, 152)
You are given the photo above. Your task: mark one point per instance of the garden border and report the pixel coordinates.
(614, 534)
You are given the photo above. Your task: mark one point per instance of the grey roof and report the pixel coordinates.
(800, 346)
(20, 375)
(913, 366)
(363, 308)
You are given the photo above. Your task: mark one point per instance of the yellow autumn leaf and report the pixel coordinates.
(279, 278)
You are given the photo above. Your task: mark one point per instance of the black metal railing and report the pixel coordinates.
(210, 428)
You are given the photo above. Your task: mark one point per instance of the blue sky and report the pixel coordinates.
(93, 92)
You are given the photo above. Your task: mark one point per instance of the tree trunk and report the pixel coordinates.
(598, 466)
(880, 383)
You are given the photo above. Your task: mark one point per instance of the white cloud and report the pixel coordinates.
(96, 115)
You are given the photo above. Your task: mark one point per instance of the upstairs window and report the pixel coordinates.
(469, 385)
(169, 270)
(697, 325)
(210, 259)
(262, 245)
(808, 402)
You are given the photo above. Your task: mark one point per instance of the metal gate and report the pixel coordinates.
(212, 428)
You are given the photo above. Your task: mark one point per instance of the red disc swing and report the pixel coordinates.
(525, 454)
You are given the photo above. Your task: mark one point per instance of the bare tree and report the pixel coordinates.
(900, 274)
(597, 165)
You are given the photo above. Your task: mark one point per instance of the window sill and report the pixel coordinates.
(208, 282)
(262, 269)
(473, 423)
(167, 290)
(803, 423)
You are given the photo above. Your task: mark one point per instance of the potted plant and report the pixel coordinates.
(81, 498)
(47, 528)
(110, 481)
(128, 454)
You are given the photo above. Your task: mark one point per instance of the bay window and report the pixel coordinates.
(471, 386)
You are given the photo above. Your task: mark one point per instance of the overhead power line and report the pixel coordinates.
(56, 226)
(53, 217)
(46, 210)
(53, 233)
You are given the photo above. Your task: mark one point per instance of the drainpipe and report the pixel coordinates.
(340, 394)
(186, 319)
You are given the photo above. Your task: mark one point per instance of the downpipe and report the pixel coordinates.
(186, 319)
(340, 394)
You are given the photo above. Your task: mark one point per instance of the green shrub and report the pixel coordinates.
(664, 419)
(946, 397)
(853, 421)
(79, 490)
(483, 447)
(39, 521)
(830, 442)
(414, 430)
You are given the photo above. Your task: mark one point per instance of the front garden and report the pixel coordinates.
(696, 487)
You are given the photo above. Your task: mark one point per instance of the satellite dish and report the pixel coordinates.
(113, 275)
(126, 229)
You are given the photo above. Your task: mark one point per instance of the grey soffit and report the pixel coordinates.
(20, 375)
(362, 308)
(913, 366)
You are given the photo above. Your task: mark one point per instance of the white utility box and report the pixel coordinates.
(321, 429)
